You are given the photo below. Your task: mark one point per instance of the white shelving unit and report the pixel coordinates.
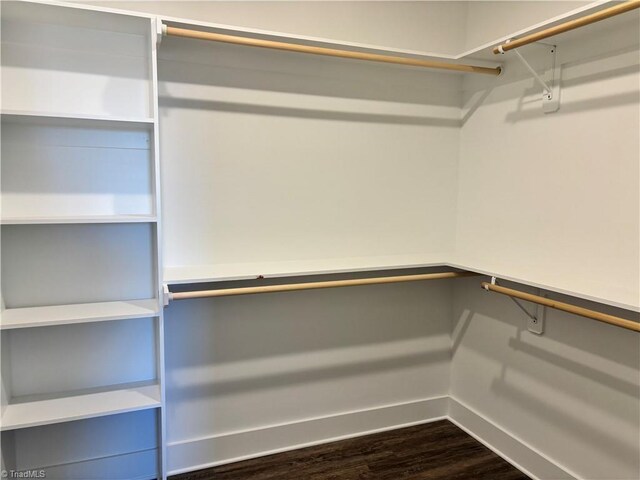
(81, 219)
(80, 230)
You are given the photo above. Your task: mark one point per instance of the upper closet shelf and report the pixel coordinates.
(482, 55)
(202, 34)
(487, 52)
(71, 120)
(129, 22)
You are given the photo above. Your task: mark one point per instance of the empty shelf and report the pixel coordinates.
(79, 313)
(33, 411)
(79, 219)
(246, 271)
(53, 118)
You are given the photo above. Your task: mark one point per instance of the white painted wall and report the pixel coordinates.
(247, 364)
(489, 20)
(413, 25)
(554, 199)
(284, 157)
(572, 393)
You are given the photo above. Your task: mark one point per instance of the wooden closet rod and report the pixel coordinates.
(315, 285)
(332, 52)
(570, 25)
(565, 307)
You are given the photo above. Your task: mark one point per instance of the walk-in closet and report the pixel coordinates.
(313, 240)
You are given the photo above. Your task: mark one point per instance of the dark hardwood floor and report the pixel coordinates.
(435, 451)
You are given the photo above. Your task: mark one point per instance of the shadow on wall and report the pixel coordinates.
(250, 327)
(219, 106)
(300, 375)
(578, 381)
(236, 67)
(551, 414)
(252, 342)
(599, 68)
(563, 325)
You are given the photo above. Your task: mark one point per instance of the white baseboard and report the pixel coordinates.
(196, 454)
(207, 452)
(516, 452)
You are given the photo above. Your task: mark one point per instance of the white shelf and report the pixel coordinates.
(248, 271)
(585, 294)
(53, 118)
(484, 52)
(251, 271)
(79, 219)
(36, 410)
(79, 313)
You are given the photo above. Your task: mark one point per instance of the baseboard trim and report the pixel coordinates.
(201, 453)
(197, 454)
(519, 454)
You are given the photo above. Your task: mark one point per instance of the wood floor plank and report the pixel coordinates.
(434, 451)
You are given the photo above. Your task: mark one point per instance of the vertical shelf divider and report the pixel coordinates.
(155, 155)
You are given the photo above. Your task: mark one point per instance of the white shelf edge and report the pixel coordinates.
(78, 219)
(580, 11)
(34, 411)
(217, 273)
(336, 43)
(29, 317)
(54, 116)
(548, 288)
(304, 39)
(231, 272)
(381, 49)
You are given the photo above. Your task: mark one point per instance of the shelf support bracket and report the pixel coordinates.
(535, 324)
(161, 30)
(550, 92)
(166, 295)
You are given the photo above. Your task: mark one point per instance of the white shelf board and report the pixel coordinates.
(78, 313)
(248, 271)
(547, 287)
(36, 410)
(481, 53)
(71, 119)
(484, 52)
(79, 219)
(251, 271)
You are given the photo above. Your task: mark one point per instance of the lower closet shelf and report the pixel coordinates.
(78, 313)
(37, 410)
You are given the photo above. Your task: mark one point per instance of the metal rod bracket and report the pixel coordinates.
(550, 92)
(535, 324)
